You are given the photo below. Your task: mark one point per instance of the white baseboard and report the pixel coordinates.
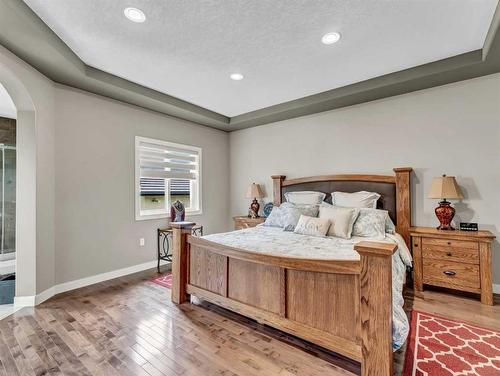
(44, 295)
(24, 301)
(496, 288)
(30, 301)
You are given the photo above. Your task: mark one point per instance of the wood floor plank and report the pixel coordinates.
(7, 360)
(128, 326)
(15, 349)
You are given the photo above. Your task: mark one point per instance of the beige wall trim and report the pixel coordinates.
(24, 34)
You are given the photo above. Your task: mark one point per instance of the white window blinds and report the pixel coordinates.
(160, 160)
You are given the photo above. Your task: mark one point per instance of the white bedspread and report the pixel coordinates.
(273, 240)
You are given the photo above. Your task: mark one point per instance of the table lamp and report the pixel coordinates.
(254, 191)
(445, 187)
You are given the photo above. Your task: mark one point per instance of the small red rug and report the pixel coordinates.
(442, 347)
(164, 280)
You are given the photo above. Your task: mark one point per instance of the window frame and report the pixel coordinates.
(196, 183)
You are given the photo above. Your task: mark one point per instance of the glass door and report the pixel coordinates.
(7, 202)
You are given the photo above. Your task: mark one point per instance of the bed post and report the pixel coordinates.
(277, 185)
(403, 202)
(180, 262)
(376, 307)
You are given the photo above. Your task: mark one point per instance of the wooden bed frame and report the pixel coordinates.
(344, 306)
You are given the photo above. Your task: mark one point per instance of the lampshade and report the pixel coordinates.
(254, 191)
(445, 187)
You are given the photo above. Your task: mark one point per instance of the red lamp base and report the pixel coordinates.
(445, 213)
(254, 209)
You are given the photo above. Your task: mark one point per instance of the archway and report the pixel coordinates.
(25, 187)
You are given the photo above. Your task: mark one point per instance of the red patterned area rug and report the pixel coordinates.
(442, 347)
(164, 280)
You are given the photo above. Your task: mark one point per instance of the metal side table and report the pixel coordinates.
(165, 242)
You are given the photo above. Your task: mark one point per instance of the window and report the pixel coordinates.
(166, 172)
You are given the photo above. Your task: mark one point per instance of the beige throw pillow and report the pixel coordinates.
(312, 226)
(341, 219)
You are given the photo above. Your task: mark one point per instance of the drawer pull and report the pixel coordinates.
(449, 243)
(448, 254)
(449, 273)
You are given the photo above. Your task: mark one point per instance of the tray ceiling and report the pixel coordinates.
(188, 49)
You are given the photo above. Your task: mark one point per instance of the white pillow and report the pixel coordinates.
(312, 226)
(370, 223)
(341, 219)
(305, 197)
(361, 199)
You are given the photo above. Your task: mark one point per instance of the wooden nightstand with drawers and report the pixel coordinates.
(459, 260)
(243, 222)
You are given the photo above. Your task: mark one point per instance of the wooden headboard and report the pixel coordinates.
(394, 190)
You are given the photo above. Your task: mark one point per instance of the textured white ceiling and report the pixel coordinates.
(7, 108)
(188, 48)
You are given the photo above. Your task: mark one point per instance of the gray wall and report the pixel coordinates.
(96, 230)
(453, 129)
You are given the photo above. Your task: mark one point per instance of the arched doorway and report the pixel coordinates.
(25, 234)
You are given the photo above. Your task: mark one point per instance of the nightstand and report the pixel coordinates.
(243, 222)
(459, 260)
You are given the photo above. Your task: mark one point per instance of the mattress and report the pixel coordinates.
(275, 241)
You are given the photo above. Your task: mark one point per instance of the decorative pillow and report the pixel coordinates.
(370, 223)
(274, 219)
(287, 215)
(341, 219)
(361, 199)
(309, 210)
(390, 228)
(312, 226)
(305, 197)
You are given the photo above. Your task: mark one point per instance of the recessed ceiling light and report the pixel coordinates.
(236, 76)
(331, 38)
(134, 14)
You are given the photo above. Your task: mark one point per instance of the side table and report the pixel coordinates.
(164, 242)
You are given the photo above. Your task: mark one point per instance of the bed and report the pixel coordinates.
(343, 296)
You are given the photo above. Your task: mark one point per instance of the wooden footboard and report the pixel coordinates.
(344, 306)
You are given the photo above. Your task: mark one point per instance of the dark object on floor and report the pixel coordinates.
(7, 288)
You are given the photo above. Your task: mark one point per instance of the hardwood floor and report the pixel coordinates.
(128, 326)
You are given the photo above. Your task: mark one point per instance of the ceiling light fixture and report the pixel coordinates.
(236, 76)
(330, 38)
(135, 15)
